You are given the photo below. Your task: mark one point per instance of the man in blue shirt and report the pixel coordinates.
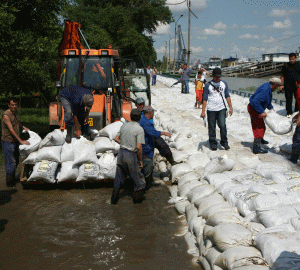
(186, 78)
(259, 101)
(148, 148)
(77, 102)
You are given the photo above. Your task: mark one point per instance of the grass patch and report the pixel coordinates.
(249, 89)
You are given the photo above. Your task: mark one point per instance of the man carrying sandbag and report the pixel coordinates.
(77, 102)
(11, 129)
(148, 148)
(130, 158)
(259, 101)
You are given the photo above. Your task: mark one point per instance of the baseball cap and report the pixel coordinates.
(276, 80)
(88, 101)
(148, 109)
(136, 112)
(140, 100)
(217, 72)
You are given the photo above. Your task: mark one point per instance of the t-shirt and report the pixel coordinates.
(199, 85)
(131, 133)
(262, 98)
(74, 94)
(186, 74)
(16, 125)
(290, 73)
(214, 99)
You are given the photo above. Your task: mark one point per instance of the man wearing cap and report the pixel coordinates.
(214, 94)
(77, 102)
(148, 147)
(130, 157)
(259, 101)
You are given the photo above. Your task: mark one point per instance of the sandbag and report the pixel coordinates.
(217, 179)
(181, 205)
(67, 151)
(44, 171)
(187, 177)
(255, 228)
(31, 159)
(192, 244)
(211, 256)
(218, 207)
(179, 156)
(219, 165)
(205, 202)
(84, 152)
(67, 172)
(198, 160)
(282, 177)
(89, 171)
(253, 267)
(103, 144)
(108, 165)
(173, 191)
(200, 192)
(54, 138)
(230, 235)
(186, 188)
(34, 140)
(266, 169)
(240, 256)
(179, 170)
(280, 125)
(191, 212)
(226, 217)
(51, 153)
(111, 130)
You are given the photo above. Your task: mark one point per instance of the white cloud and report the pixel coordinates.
(213, 32)
(196, 49)
(249, 26)
(162, 49)
(195, 4)
(282, 12)
(282, 25)
(269, 40)
(234, 26)
(249, 36)
(211, 49)
(163, 29)
(220, 25)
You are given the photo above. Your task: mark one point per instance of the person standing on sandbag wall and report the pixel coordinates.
(130, 158)
(148, 148)
(159, 143)
(77, 102)
(214, 94)
(259, 101)
(10, 139)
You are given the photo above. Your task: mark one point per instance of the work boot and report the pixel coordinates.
(115, 196)
(69, 135)
(138, 196)
(257, 147)
(10, 179)
(172, 161)
(294, 157)
(85, 130)
(264, 141)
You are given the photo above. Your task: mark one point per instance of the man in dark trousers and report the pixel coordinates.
(130, 158)
(11, 129)
(290, 71)
(77, 102)
(148, 148)
(259, 101)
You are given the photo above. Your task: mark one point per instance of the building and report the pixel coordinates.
(275, 57)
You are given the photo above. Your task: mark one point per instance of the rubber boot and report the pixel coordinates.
(172, 161)
(85, 130)
(115, 196)
(264, 141)
(69, 135)
(257, 147)
(138, 196)
(10, 179)
(294, 157)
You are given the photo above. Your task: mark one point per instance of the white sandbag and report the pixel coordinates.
(31, 159)
(266, 169)
(187, 187)
(191, 212)
(179, 156)
(198, 227)
(276, 216)
(67, 172)
(211, 256)
(295, 222)
(230, 235)
(175, 200)
(253, 267)
(89, 171)
(200, 192)
(217, 179)
(44, 171)
(282, 177)
(108, 165)
(219, 165)
(218, 207)
(248, 179)
(103, 144)
(198, 160)
(51, 153)
(187, 177)
(204, 263)
(173, 191)
(162, 166)
(280, 125)
(84, 152)
(111, 130)
(226, 217)
(34, 140)
(205, 202)
(180, 206)
(235, 173)
(67, 151)
(192, 244)
(255, 228)
(233, 193)
(54, 138)
(272, 245)
(250, 161)
(179, 170)
(240, 256)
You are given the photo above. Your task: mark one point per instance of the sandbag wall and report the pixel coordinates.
(55, 161)
(241, 210)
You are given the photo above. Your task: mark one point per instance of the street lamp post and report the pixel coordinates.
(175, 42)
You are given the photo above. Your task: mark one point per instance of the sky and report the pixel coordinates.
(224, 28)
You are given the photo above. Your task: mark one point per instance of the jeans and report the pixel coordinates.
(290, 92)
(148, 169)
(68, 119)
(127, 164)
(186, 86)
(11, 156)
(154, 80)
(213, 118)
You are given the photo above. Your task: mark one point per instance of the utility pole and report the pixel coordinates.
(189, 35)
(169, 57)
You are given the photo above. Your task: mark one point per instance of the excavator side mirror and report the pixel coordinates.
(117, 83)
(58, 83)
